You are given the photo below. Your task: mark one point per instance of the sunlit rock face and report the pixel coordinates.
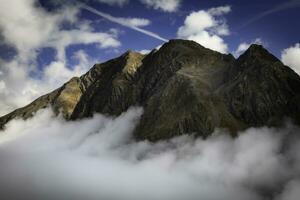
(183, 88)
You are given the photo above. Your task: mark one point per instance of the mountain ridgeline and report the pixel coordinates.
(184, 88)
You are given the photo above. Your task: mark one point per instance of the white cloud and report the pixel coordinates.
(206, 28)
(244, 46)
(62, 39)
(20, 88)
(219, 10)
(27, 28)
(291, 57)
(57, 73)
(164, 5)
(196, 22)
(213, 42)
(92, 158)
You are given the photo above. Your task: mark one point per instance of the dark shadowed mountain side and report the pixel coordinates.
(183, 88)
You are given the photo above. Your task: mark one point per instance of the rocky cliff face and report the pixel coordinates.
(184, 88)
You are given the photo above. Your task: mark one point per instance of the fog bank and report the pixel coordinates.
(48, 158)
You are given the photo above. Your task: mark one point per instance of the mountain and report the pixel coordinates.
(183, 88)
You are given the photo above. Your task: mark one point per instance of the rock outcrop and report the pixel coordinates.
(184, 88)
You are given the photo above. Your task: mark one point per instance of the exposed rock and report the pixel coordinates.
(184, 88)
(262, 91)
(63, 100)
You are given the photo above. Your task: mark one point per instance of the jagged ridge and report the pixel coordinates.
(184, 88)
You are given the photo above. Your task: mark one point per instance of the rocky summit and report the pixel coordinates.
(184, 88)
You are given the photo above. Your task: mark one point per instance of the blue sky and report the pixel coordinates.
(277, 30)
(46, 42)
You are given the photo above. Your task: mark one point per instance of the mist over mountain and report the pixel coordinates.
(47, 157)
(182, 122)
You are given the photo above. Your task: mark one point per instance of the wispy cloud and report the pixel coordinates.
(277, 8)
(123, 22)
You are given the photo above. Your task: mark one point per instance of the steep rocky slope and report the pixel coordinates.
(184, 88)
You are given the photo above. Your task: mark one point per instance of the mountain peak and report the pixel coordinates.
(182, 44)
(256, 47)
(183, 88)
(257, 51)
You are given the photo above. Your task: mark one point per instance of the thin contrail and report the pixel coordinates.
(283, 6)
(116, 20)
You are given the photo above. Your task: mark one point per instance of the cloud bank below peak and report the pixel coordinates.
(48, 158)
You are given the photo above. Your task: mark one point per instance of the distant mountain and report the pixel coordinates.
(183, 88)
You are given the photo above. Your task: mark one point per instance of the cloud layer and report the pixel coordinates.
(47, 157)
